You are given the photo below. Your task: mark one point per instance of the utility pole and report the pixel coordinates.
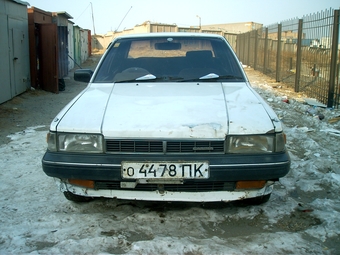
(199, 21)
(94, 29)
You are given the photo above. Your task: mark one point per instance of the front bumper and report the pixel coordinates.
(157, 195)
(222, 167)
(225, 171)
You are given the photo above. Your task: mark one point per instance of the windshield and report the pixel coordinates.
(169, 59)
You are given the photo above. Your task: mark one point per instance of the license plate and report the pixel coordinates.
(165, 170)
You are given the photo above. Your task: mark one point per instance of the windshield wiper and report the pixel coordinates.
(151, 78)
(204, 78)
(145, 77)
(215, 77)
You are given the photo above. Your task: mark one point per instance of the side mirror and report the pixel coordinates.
(83, 75)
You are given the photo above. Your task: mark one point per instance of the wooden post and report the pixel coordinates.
(334, 56)
(278, 53)
(298, 57)
(265, 62)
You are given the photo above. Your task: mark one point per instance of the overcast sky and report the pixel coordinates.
(119, 15)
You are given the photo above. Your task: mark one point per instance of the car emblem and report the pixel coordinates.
(203, 148)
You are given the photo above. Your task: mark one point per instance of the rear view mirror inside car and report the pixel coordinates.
(168, 46)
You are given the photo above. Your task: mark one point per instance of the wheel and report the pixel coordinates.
(76, 198)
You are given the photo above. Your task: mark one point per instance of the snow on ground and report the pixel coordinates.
(302, 216)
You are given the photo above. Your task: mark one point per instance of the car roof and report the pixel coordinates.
(167, 34)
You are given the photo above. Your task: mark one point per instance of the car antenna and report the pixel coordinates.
(123, 19)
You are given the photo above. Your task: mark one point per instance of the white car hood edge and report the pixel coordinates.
(166, 110)
(184, 110)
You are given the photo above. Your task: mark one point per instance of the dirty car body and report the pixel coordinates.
(167, 117)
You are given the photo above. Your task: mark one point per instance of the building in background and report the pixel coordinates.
(229, 31)
(235, 28)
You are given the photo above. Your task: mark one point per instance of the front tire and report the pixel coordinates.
(76, 198)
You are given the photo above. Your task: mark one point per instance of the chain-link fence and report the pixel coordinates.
(303, 53)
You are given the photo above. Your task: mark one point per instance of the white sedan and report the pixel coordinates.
(167, 117)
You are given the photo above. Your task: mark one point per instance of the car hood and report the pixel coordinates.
(166, 110)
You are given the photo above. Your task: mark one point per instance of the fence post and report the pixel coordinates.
(265, 54)
(248, 48)
(243, 54)
(242, 47)
(239, 47)
(256, 46)
(278, 52)
(298, 57)
(334, 56)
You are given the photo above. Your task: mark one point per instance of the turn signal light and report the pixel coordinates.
(83, 183)
(250, 184)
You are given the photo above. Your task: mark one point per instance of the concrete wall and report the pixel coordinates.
(237, 28)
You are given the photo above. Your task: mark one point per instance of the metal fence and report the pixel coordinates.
(303, 53)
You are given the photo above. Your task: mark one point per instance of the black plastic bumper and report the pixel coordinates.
(222, 167)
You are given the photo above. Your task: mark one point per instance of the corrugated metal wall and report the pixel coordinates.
(77, 44)
(14, 62)
(62, 52)
(70, 48)
(84, 45)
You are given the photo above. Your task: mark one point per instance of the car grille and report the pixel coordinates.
(128, 146)
(189, 186)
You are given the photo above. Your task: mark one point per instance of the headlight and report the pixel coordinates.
(51, 141)
(256, 144)
(87, 143)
